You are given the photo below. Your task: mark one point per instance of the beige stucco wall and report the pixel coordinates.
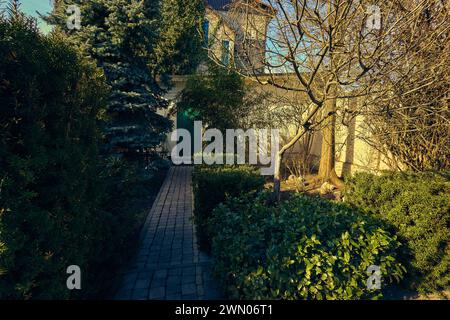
(251, 43)
(254, 26)
(238, 27)
(353, 153)
(219, 31)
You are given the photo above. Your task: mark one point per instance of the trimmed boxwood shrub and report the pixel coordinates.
(417, 206)
(304, 248)
(213, 184)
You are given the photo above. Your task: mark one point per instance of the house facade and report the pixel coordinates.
(231, 28)
(235, 32)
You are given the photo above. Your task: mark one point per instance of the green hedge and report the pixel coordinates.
(61, 202)
(212, 185)
(417, 206)
(305, 248)
(125, 190)
(49, 136)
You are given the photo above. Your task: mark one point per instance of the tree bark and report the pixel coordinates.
(277, 178)
(327, 170)
(279, 157)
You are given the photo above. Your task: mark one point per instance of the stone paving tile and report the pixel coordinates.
(169, 265)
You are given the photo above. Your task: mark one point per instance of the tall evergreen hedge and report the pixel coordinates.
(49, 164)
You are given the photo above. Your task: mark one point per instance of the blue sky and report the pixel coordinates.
(43, 6)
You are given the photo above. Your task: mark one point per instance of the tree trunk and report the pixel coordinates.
(350, 143)
(277, 178)
(327, 171)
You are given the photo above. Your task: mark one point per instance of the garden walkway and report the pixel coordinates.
(169, 265)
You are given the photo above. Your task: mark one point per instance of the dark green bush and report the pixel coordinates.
(49, 100)
(212, 185)
(62, 202)
(304, 248)
(417, 206)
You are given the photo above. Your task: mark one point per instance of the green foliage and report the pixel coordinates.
(417, 206)
(49, 136)
(212, 185)
(121, 36)
(121, 211)
(180, 38)
(304, 248)
(217, 97)
(61, 203)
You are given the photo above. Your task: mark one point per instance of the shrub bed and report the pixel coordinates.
(212, 185)
(304, 248)
(417, 206)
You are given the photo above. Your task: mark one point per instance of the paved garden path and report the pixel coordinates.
(169, 264)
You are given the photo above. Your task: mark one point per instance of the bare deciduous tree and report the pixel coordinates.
(410, 123)
(330, 51)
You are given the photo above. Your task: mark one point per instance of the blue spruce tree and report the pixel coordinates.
(123, 36)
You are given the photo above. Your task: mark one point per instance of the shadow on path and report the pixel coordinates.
(169, 265)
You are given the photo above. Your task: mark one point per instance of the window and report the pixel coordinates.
(205, 28)
(225, 52)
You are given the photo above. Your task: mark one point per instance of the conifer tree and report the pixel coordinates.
(130, 42)
(179, 50)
